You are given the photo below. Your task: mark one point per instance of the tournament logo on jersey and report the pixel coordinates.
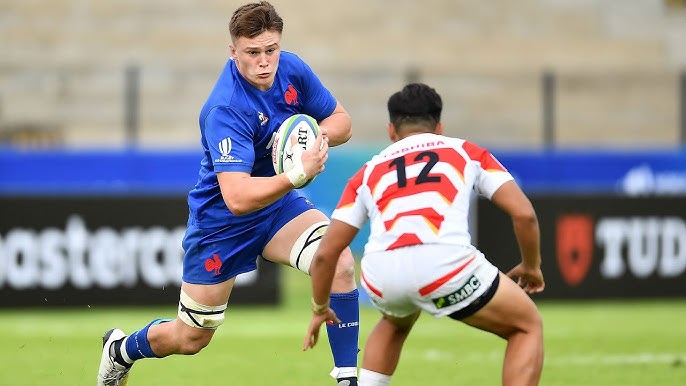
(224, 147)
(291, 96)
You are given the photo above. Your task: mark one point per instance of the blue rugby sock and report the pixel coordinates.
(343, 337)
(136, 346)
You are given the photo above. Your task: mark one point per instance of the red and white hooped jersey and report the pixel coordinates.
(417, 191)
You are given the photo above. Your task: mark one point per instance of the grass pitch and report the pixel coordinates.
(587, 343)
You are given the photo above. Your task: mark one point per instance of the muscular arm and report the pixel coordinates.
(243, 193)
(514, 202)
(337, 127)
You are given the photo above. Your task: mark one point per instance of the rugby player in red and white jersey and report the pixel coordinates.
(419, 255)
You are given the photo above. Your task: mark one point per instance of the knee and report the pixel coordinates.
(345, 269)
(536, 324)
(533, 322)
(532, 326)
(400, 327)
(400, 330)
(194, 341)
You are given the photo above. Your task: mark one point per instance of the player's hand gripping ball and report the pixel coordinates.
(303, 129)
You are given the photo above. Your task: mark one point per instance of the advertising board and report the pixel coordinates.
(598, 246)
(115, 250)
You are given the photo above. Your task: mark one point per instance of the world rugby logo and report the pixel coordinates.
(225, 146)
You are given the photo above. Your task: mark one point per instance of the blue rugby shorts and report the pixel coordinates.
(214, 255)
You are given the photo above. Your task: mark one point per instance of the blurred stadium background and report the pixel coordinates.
(68, 67)
(584, 101)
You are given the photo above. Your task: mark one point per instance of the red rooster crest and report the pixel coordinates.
(291, 95)
(213, 264)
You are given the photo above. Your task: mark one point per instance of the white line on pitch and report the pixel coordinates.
(551, 359)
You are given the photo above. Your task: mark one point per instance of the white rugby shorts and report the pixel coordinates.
(437, 278)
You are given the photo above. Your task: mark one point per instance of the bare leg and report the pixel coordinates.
(176, 337)
(279, 248)
(385, 342)
(512, 315)
(344, 279)
(343, 338)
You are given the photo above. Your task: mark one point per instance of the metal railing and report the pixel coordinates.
(139, 106)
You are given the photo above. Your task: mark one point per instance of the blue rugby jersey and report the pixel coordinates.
(237, 123)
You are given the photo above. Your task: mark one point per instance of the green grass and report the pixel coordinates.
(587, 343)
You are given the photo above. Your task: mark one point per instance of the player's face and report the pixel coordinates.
(258, 58)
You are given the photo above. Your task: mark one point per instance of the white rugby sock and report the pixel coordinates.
(372, 378)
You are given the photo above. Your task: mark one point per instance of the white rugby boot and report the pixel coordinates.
(110, 372)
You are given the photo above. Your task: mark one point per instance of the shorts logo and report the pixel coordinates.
(213, 264)
(461, 294)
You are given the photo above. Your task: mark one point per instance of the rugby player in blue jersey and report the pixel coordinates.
(240, 210)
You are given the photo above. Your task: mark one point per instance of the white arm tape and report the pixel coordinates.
(297, 175)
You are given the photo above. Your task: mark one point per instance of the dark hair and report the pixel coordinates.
(416, 104)
(252, 19)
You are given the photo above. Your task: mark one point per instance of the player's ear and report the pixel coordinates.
(391, 132)
(233, 52)
(439, 128)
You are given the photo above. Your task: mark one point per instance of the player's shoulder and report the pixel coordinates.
(290, 57)
(475, 151)
(469, 150)
(227, 94)
(292, 64)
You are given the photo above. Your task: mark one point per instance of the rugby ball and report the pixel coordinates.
(303, 129)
